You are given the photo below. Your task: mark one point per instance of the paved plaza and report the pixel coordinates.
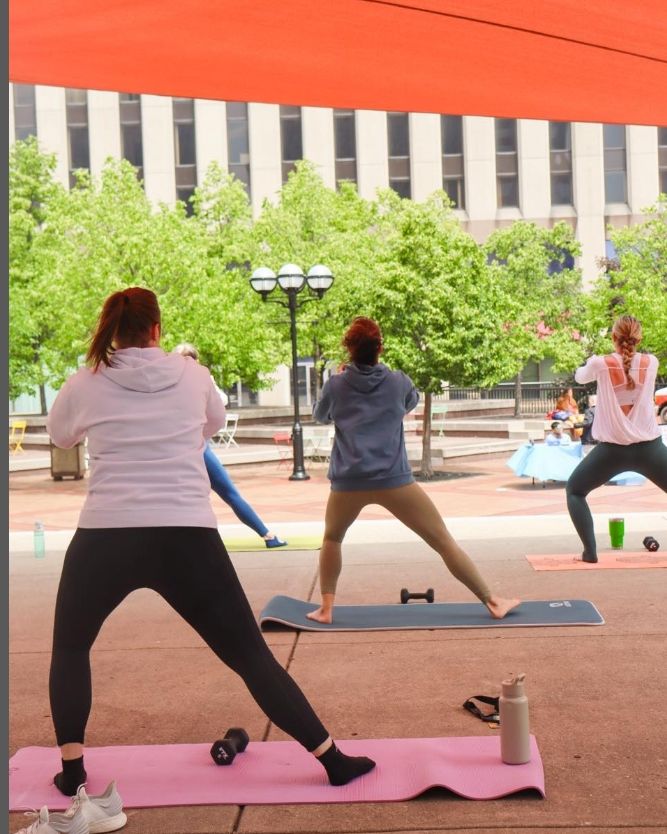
(596, 693)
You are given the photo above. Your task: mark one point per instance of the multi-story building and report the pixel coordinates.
(495, 170)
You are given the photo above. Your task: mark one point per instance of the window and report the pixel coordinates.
(398, 136)
(451, 130)
(615, 168)
(76, 108)
(345, 145)
(662, 159)
(185, 151)
(507, 163)
(25, 120)
(291, 141)
(238, 145)
(131, 143)
(560, 157)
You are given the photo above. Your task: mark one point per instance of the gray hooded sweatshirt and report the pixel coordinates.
(146, 418)
(367, 404)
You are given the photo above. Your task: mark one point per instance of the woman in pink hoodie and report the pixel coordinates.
(147, 522)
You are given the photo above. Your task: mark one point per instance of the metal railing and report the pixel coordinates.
(537, 398)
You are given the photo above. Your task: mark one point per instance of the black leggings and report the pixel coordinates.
(599, 466)
(190, 568)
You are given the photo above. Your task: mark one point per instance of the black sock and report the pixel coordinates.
(71, 776)
(588, 557)
(342, 769)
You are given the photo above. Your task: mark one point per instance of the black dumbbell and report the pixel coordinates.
(224, 750)
(651, 544)
(429, 596)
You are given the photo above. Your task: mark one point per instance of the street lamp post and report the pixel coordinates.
(292, 281)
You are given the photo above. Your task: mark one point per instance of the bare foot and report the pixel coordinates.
(322, 615)
(499, 606)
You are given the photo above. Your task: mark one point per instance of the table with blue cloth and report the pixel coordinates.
(553, 462)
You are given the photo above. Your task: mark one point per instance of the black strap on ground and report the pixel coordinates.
(489, 717)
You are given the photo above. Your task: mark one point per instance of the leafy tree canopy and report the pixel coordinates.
(634, 284)
(533, 267)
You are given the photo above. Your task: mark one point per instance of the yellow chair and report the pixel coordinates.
(16, 434)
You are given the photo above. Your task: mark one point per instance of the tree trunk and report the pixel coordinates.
(42, 398)
(426, 465)
(517, 395)
(317, 357)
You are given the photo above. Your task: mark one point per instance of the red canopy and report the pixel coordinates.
(570, 60)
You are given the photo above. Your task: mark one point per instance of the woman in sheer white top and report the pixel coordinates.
(625, 426)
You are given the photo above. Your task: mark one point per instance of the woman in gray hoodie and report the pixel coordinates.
(369, 465)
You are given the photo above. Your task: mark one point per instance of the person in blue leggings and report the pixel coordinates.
(223, 485)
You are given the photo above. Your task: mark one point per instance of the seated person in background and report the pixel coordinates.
(557, 437)
(566, 407)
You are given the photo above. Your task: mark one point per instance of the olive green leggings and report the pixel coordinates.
(409, 504)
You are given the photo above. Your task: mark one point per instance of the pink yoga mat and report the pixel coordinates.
(612, 560)
(277, 773)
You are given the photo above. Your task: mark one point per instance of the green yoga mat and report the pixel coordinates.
(235, 545)
(286, 612)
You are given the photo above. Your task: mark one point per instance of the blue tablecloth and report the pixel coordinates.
(545, 462)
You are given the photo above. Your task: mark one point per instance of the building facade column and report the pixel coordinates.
(265, 153)
(157, 129)
(103, 129)
(318, 141)
(372, 152)
(425, 155)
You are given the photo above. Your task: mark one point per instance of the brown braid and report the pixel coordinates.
(627, 333)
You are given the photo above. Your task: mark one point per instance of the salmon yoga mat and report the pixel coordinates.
(277, 772)
(614, 560)
(286, 612)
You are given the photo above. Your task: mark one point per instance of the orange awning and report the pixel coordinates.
(571, 60)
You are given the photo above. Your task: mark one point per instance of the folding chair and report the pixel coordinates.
(283, 441)
(16, 434)
(438, 414)
(225, 437)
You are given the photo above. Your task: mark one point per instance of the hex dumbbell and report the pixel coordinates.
(651, 544)
(429, 596)
(224, 750)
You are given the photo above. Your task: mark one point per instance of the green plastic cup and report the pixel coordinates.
(616, 532)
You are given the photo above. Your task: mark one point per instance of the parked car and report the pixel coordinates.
(661, 404)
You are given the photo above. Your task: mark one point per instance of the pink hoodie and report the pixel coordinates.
(146, 419)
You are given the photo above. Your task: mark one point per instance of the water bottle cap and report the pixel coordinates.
(513, 687)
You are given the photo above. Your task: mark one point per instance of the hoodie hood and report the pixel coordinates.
(365, 378)
(144, 369)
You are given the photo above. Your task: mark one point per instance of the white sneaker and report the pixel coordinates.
(102, 813)
(73, 822)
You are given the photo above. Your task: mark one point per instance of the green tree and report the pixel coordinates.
(232, 333)
(634, 283)
(545, 315)
(104, 235)
(432, 293)
(32, 189)
(312, 224)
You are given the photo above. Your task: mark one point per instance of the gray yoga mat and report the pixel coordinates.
(282, 611)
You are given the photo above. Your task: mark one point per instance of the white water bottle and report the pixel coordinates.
(514, 723)
(38, 540)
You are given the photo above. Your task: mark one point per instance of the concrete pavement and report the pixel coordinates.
(596, 693)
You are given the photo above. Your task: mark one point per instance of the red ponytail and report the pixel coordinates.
(363, 341)
(127, 318)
